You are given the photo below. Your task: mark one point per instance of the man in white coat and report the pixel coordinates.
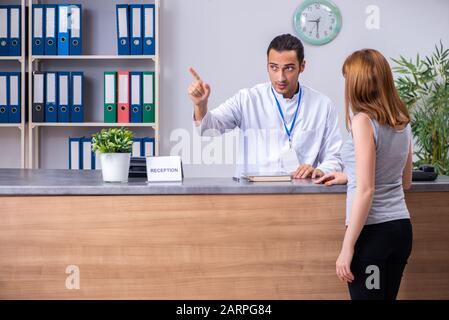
(304, 122)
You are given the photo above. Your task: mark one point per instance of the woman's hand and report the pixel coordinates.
(343, 265)
(333, 178)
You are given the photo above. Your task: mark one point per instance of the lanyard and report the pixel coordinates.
(289, 132)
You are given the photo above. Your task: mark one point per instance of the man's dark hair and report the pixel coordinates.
(287, 42)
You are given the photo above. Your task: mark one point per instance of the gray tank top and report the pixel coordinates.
(392, 148)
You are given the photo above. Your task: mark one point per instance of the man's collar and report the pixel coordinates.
(280, 96)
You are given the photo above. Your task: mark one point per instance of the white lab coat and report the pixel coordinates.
(316, 137)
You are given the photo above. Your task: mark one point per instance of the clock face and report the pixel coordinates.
(317, 22)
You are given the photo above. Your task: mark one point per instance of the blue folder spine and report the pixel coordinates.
(123, 36)
(38, 37)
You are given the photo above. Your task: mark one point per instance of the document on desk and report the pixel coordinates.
(280, 176)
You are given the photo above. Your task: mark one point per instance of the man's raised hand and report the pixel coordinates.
(199, 91)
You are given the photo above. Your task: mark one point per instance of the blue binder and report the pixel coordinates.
(63, 29)
(136, 96)
(75, 153)
(135, 26)
(63, 96)
(15, 28)
(76, 29)
(51, 29)
(38, 29)
(148, 147)
(137, 150)
(51, 101)
(122, 11)
(88, 157)
(4, 31)
(77, 101)
(4, 97)
(14, 97)
(149, 29)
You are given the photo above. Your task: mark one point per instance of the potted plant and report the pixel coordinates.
(423, 85)
(114, 146)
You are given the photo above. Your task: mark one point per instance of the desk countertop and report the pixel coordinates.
(66, 182)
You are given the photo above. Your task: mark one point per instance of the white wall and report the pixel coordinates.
(226, 41)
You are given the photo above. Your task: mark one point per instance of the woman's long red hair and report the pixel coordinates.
(369, 88)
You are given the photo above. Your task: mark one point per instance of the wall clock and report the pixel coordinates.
(317, 22)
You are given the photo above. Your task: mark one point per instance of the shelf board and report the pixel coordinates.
(91, 124)
(94, 57)
(10, 125)
(10, 58)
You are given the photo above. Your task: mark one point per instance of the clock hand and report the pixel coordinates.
(316, 21)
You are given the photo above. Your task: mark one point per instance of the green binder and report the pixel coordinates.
(149, 98)
(110, 96)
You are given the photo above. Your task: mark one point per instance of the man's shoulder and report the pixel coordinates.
(253, 93)
(316, 95)
(256, 89)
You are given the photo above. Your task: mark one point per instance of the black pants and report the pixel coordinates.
(380, 257)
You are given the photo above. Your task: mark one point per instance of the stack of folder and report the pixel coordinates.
(129, 97)
(58, 97)
(57, 29)
(81, 156)
(143, 147)
(136, 29)
(10, 97)
(10, 30)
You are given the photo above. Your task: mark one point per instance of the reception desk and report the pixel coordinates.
(67, 235)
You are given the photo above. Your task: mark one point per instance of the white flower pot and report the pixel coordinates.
(115, 166)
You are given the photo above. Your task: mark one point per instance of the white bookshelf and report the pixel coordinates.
(13, 58)
(22, 61)
(11, 125)
(35, 62)
(94, 57)
(92, 124)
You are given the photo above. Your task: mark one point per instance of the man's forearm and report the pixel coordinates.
(330, 165)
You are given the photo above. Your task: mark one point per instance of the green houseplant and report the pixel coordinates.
(423, 85)
(114, 146)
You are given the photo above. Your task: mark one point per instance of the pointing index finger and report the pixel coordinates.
(194, 74)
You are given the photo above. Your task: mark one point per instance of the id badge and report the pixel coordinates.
(289, 160)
